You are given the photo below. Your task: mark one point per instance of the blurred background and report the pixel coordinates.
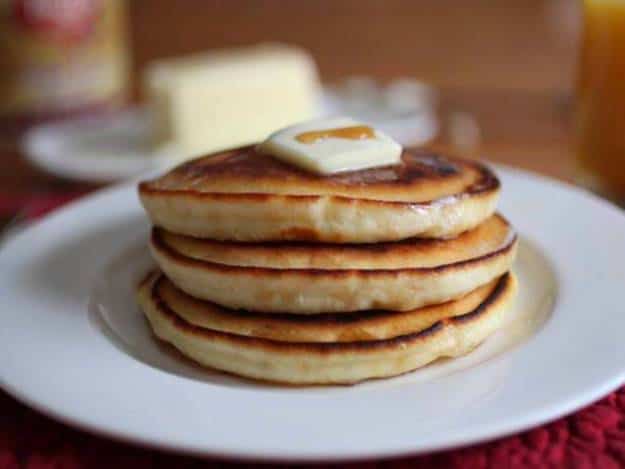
(502, 73)
(526, 45)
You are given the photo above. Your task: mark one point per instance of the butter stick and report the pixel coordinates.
(222, 99)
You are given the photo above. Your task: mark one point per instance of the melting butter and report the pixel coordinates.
(332, 146)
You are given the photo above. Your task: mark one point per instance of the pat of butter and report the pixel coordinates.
(331, 146)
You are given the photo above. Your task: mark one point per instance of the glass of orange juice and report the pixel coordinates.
(600, 116)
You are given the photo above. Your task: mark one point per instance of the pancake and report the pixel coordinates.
(364, 325)
(323, 362)
(313, 278)
(242, 195)
(489, 236)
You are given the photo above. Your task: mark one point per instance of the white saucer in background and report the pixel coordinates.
(105, 148)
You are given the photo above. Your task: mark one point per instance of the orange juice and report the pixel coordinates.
(601, 97)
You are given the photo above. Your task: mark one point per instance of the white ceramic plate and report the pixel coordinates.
(74, 345)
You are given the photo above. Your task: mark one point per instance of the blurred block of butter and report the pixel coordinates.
(227, 98)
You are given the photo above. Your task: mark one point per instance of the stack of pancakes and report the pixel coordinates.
(270, 272)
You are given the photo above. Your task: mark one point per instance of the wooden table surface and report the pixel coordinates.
(507, 65)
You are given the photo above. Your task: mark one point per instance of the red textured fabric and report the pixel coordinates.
(33, 206)
(591, 438)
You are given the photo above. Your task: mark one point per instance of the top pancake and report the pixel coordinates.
(421, 177)
(247, 196)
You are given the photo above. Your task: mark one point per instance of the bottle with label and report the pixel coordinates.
(60, 58)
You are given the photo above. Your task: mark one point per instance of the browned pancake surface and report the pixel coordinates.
(422, 176)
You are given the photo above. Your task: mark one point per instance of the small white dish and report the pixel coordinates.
(74, 346)
(100, 149)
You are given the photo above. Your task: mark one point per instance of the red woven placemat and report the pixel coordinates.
(591, 438)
